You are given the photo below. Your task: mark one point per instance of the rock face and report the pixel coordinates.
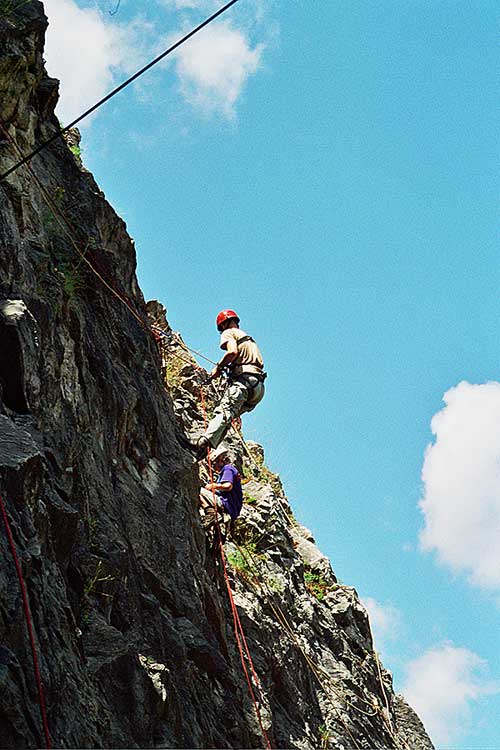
(132, 621)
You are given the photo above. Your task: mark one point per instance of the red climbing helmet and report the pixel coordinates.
(225, 315)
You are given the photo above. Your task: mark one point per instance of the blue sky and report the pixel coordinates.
(329, 170)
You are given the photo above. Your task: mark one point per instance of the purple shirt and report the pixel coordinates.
(231, 499)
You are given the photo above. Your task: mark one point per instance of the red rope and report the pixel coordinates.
(254, 673)
(238, 628)
(27, 616)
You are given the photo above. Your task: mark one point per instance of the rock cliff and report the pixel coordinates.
(131, 616)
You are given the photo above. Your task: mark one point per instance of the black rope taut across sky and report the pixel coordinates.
(118, 88)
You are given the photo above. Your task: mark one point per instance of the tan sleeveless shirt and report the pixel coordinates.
(249, 356)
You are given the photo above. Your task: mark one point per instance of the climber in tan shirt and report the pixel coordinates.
(243, 360)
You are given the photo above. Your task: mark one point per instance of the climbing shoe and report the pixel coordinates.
(202, 448)
(199, 448)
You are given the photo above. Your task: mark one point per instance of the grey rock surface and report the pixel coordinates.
(132, 621)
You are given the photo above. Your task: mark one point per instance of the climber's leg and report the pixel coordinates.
(232, 405)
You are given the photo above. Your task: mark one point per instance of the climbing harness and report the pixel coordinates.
(29, 625)
(61, 131)
(243, 339)
(249, 379)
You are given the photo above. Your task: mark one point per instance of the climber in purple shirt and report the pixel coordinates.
(227, 487)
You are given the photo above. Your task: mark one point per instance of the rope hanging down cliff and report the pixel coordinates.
(29, 626)
(241, 641)
(115, 91)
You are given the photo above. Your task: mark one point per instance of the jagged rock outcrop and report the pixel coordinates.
(132, 623)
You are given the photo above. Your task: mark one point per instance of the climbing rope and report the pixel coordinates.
(27, 615)
(238, 628)
(70, 233)
(379, 673)
(115, 91)
(193, 351)
(387, 718)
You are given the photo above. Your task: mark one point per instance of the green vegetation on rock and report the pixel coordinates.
(316, 584)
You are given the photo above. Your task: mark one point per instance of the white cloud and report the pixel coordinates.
(85, 51)
(441, 685)
(385, 621)
(90, 54)
(214, 66)
(461, 475)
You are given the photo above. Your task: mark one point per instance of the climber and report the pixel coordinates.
(244, 365)
(227, 487)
